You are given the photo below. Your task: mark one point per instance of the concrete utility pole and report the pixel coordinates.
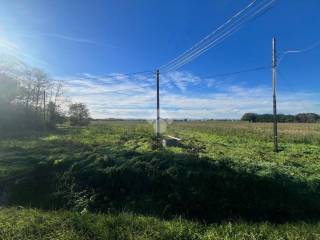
(158, 105)
(274, 66)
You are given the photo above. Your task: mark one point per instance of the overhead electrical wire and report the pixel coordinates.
(197, 45)
(237, 25)
(253, 9)
(238, 72)
(296, 51)
(227, 32)
(205, 41)
(218, 35)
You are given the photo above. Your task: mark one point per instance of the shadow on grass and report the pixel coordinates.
(160, 183)
(24, 134)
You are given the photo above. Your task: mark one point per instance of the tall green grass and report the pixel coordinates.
(40, 225)
(220, 171)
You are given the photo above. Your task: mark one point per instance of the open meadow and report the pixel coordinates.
(159, 120)
(221, 175)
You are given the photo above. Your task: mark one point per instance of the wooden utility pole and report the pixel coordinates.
(274, 66)
(158, 105)
(44, 109)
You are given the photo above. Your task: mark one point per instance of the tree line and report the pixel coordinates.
(31, 99)
(285, 118)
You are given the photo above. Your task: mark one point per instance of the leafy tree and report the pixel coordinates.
(79, 114)
(26, 95)
(307, 117)
(251, 117)
(55, 115)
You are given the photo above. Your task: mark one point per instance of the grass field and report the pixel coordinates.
(40, 225)
(220, 172)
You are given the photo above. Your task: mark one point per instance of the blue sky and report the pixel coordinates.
(84, 42)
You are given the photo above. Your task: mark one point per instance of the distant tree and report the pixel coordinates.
(307, 117)
(79, 114)
(251, 117)
(301, 117)
(286, 118)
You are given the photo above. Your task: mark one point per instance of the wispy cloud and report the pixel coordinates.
(135, 97)
(64, 37)
(180, 80)
(69, 38)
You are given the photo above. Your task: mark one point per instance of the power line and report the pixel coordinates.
(197, 45)
(217, 36)
(214, 42)
(296, 51)
(238, 72)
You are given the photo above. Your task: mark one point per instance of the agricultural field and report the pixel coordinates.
(222, 180)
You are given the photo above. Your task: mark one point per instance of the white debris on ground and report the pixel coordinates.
(170, 141)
